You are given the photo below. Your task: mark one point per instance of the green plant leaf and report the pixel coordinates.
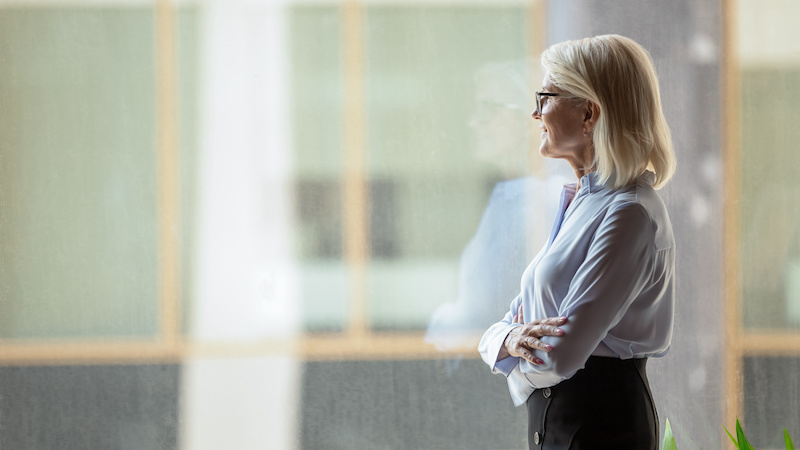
(732, 439)
(743, 444)
(786, 438)
(669, 440)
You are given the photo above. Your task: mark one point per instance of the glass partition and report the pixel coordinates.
(765, 71)
(287, 223)
(78, 173)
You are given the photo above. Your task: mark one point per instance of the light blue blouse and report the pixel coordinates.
(609, 267)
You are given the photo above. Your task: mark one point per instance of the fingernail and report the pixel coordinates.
(549, 347)
(559, 331)
(539, 361)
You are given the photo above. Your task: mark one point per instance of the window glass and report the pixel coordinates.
(77, 132)
(427, 185)
(427, 404)
(770, 71)
(317, 160)
(118, 406)
(772, 400)
(356, 190)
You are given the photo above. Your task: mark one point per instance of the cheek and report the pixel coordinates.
(554, 129)
(564, 130)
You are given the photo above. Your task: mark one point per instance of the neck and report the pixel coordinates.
(581, 171)
(583, 164)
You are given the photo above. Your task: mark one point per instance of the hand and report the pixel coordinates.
(523, 341)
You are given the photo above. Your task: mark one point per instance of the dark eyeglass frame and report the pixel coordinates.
(539, 96)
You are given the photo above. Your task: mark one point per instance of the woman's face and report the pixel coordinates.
(501, 132)
(562, 126)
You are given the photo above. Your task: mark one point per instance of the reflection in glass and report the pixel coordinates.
(422, 108)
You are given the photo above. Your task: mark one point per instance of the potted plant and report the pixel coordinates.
(740, 441)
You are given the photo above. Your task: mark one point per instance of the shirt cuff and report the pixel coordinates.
(505, 366)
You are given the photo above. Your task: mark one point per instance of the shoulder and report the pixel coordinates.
(638, 208)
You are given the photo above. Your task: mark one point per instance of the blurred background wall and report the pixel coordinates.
(285, 224)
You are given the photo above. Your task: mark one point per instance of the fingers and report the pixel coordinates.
(549, 330)
(546, 327)
(526, 351)
(518, 317)
(524, 347)
(556, 321)
(530, 357)
(535, 344)
(540, 330)
(526, 339)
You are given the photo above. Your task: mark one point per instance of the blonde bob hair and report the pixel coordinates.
(631, 134)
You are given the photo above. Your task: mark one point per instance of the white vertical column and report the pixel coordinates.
(246, 280)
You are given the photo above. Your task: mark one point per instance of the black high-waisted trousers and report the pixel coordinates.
(606, 405)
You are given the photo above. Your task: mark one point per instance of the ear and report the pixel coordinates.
(591, 115)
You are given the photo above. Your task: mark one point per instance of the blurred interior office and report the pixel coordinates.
(285, 224)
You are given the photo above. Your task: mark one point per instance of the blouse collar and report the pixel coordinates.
(590, 183)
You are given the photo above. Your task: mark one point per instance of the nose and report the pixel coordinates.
(536, 114)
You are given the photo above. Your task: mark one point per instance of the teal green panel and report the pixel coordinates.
(77, 173)
(769, 202)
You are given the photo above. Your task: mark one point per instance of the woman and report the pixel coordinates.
(598, 299)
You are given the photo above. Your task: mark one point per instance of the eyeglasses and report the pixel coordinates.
(541, 99)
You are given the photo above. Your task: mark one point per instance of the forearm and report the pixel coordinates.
(492, 346)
